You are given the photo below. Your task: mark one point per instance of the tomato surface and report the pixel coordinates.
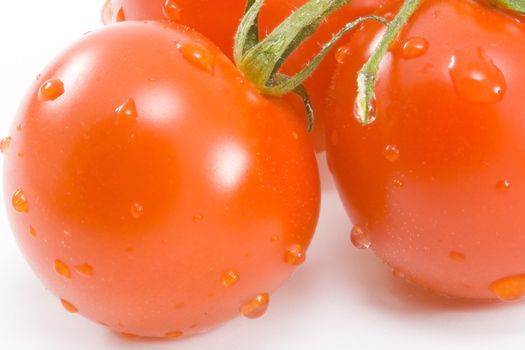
(435, 183)
(152, 189)
(219, 22)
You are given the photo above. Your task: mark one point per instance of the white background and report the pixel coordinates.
(340, 298)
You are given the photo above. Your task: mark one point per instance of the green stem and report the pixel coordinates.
(517, 6)
(366, 79)
(262, 61)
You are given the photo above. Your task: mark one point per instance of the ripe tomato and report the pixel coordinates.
(152, 189)
(211, 18)
(435, 183)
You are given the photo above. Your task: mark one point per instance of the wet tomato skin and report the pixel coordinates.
(219, 22)
(159, 193)
(437, 180)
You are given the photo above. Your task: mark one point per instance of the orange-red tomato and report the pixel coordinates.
(152, 189)
(218, 22)
(435, 184)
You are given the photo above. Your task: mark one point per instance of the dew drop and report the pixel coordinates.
(295, 255)
(32, 231)
(120, 16)
(171, 10)
(84, 269)
(198, 55)
(62, 269)
(341, 53)
(174, 334)
(137, 210)
(275, 238)
(391, 153)
(126, 112)
(398, 273)
(456, 256)
(19, 202)
(398, 183)
(256, 307)
(51, 90)
(509, 288)
(230, 278)
(414, 47)
(129, 336)
(476, 78)
(197, 218)
(503, 185)
(4, 144)
(360, 238)
(68, 306)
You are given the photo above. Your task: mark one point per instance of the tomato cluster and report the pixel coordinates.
(154, 190)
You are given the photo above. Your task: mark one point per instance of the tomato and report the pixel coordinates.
(219, 23)
(152, 189)
(435, 183)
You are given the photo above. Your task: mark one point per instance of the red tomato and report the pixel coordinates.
(435, 184)
(153, 189)
(219, 22)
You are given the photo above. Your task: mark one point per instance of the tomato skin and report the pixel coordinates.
(169, 220)
(219, 24)
(443, 204)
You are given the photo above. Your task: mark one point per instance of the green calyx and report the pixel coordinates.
(260, 61)
(517, 6)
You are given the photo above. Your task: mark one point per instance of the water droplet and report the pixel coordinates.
(137, 210)
(476, 78)
(198, 55)
(19, 201)
(341, 53)
(256, 307)
(391, 153)
(295, 256)
(4, 144)
(62, 269)
(126, 112)
(398, 183)
(509, 288)
(32, 231)
(456, 256)
(51, 90)
(120, 16)
(295, 135)
(230, 278)
(360, 238)
(68, 306)
(503, 185)
(130, 336)
(398, 273)
(171, 10)
(414, 47)
(197, 218)
(84, 269)
(174, 334)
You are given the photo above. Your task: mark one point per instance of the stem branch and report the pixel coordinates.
(366, 79)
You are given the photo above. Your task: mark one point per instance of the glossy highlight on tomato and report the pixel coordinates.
(218, 21)
(436, 181)
(153, 189)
